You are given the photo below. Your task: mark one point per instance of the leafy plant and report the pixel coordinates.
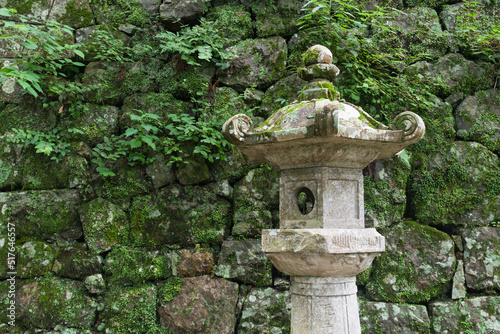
(44, 59)
(208, 139)
(195, 44)
(49, 143)
(133, 143)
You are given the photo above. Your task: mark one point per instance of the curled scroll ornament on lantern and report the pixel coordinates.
(236, 128)
(411, 124)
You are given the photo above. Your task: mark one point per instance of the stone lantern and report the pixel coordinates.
(320, 145)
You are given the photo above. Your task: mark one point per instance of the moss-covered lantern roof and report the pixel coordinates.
(318, 130)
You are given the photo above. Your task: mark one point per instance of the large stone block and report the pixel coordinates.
(203, 305)
(40, 171)
(42, 215)
(482, 257)
(105, 225)
(389, 318)
(180, 215)
(34, 258)
(418, 265)
(450, 74)
(478, 119)
(129, 310)
(245, 262)
(414, 31)
(234, 22)
(131, 266)
(76, 261)
(255, 200)
(456, 186)
(181, 12)
(258, 62)
(96, 123)
(75, 13)
(474, 315)
(53, 301)
(10, 169)
(385, 191)
(276, 19)
(266, 311)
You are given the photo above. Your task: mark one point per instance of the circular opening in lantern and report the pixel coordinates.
(305, 200)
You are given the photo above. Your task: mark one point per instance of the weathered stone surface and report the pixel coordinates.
(13, 116)
(439, 131)
(255, 198)
(53, 301)
(266, 311)
(451, 73)
(180, 215)
(96, 123)
(448, 15)
(456, 186)
(234, 22)
(42, 215)
(478, 119)
(203, 305)
(482, 257)
(10, 169)
(150, 6)
(128, 181)
(385, 191)
(475, 315)
(131, 266)
(388, 318)
(282, 93)
(415, 30)
(245, 262)
(75, 13)
(105, 225)
(226, 100)
(194, 170)
(233, 168)
(129, 309)
(181, 12)
(40, 171)
(160, 172)
(194, 262)
(278, 19)
(34, 259)
(95, 284)
(417, 266)
(458, 290)
(113, 81)
(258, 62)
(76, 261)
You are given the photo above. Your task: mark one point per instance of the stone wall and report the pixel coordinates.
(175, 248)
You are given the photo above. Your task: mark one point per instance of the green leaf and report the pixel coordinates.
(130, 132)
(80, 54)
(134, 143)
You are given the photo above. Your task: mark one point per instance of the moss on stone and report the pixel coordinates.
(105, 225)
(130, 310)
(77, 15)
(417, 266)
(34, 259)
(52, 301)
(134, 266)
(180, 215)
